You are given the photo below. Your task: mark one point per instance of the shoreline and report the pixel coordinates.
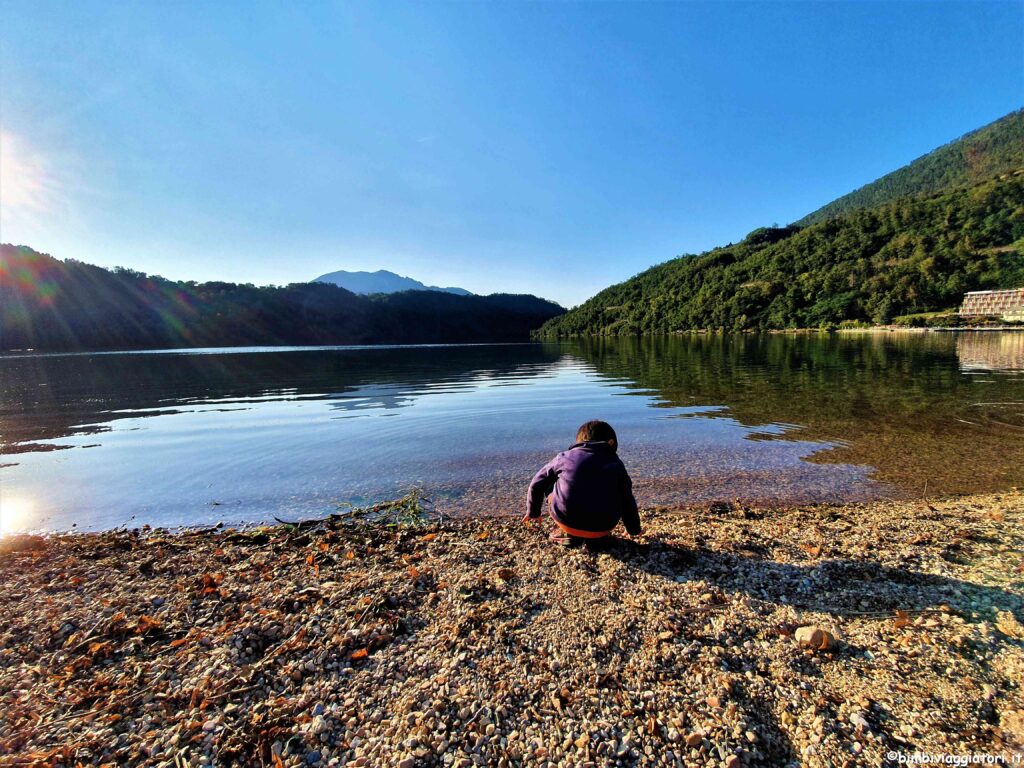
(477, 642)
(384, 345)
(874, 329)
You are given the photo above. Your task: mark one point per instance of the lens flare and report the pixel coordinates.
(28, 187)
(15, 514)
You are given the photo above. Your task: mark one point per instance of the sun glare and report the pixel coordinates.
(26, 186)
(15, 514)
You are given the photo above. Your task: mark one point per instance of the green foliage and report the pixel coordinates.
(996, 148)
(867, 266)
(66, 305)
(413, 510)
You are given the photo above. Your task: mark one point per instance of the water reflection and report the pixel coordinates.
(48, 397)
(991, 351)
(240, 435)
(16, 513)
(899, 403)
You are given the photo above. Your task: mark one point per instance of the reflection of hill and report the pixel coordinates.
(991, 351)
(898, 403)
(55, 396)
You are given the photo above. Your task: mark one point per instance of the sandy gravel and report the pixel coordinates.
(478, 642)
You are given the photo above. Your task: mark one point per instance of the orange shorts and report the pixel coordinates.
(578, 533)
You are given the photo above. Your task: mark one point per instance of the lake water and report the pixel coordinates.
(241, 435)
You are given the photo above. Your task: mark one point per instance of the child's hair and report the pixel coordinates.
(596, 431)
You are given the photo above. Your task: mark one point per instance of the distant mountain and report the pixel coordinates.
(996, 148)
(49, 304)
(381, 281)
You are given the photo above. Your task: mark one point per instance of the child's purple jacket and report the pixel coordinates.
(590, 489)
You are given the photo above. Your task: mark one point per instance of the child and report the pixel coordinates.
(592, 489)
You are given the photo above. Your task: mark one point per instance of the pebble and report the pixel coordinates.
(363, 664)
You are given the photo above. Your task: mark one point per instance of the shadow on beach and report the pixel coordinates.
(845, 588)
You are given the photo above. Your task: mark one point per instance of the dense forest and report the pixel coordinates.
(917, 254)
(980, 155)
(46, 303)
(909, 243)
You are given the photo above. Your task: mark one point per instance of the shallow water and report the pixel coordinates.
(198, 436)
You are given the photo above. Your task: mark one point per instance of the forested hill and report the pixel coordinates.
(48, 304)
(916, 254)
(996, 148)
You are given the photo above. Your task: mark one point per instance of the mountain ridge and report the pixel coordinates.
(911, 256)
(50, 304)
(994, 148)
(382, 281)
(910, 242)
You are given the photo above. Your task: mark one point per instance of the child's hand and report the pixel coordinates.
(527, 520)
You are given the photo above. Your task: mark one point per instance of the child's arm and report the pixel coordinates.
(630, 513)
(541, 485)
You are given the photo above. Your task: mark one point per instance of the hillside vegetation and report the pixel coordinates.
(911, 255)
(979, 155)
(50, 304)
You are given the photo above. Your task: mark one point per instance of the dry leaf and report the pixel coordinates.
(1007, 623)
(811, 549)
(902, 619)
(148, 624)
(413, 571)
(483, 535)
(362, 653)
(505, 574)
(428, 537)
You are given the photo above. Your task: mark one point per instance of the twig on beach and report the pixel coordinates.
(231, 692)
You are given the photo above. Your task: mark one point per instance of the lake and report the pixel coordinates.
(191, 437)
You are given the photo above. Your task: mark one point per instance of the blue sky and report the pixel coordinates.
(549, 148)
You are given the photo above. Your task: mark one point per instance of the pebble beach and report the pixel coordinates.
(725, 636)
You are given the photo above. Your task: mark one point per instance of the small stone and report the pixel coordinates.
(313, 757)
(694, 739)
(814, 637)
(858, 719)
(732, 761)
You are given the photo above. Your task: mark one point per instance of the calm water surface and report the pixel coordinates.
(241, 435)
